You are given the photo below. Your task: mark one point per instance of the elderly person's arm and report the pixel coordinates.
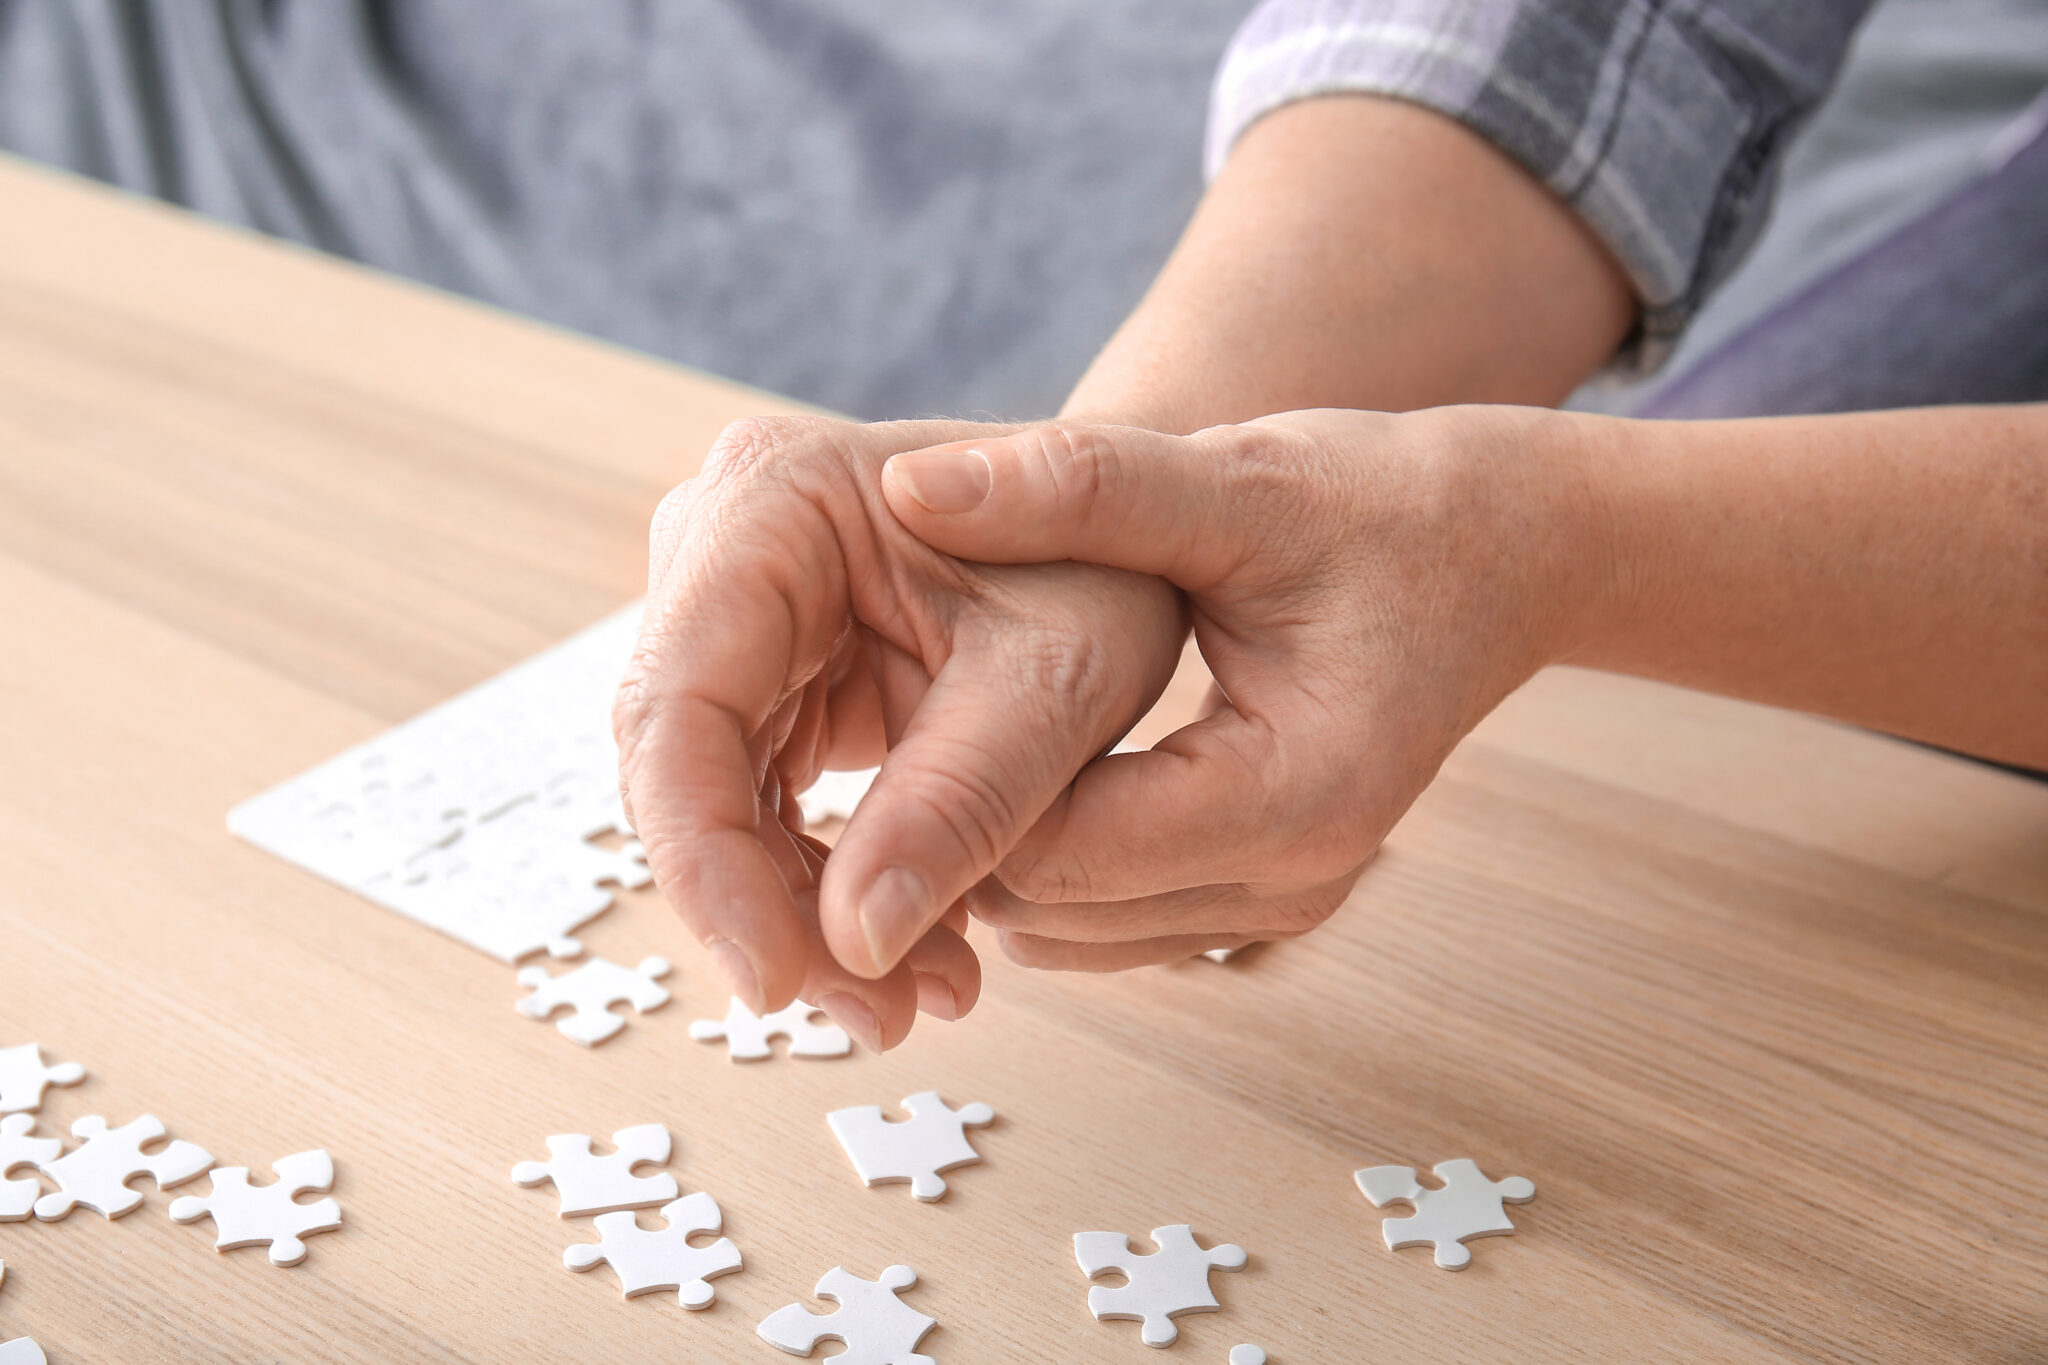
(1418, 202)
(1360, 251)
(1367, 587)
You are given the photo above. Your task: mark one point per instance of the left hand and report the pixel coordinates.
(792, 624)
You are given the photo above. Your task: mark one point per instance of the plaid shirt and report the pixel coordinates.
(1660, 121)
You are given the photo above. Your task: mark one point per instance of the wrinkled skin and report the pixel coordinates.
(1365, 587)
(794, 624)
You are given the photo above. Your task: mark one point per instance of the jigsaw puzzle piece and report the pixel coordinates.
(96, 1173)
(835, 795)
(588, 1183)
(1158, 1287)
(589, 992)
(877, 1327)
(19, 1148)
(747, 1035)
(23, 1077)
(22, 1351)
(1469, 1205)
(649, 1261)
(251, 1215)
(933, 1139)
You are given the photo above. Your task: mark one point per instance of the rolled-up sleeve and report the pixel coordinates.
(1661, 123)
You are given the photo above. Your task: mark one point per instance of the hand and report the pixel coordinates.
(792, 624)
(1365, 588)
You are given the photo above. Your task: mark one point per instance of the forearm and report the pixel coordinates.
(1358, 252)
(1888, 569)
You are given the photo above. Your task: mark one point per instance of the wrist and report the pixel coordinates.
(1589, 573)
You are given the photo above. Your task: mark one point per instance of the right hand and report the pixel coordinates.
(792, 622)
(1365, 587)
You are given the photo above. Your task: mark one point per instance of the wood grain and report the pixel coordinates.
(1759, 1003)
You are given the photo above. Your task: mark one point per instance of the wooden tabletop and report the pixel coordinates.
(1759, 1003)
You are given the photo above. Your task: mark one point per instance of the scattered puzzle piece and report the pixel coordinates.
(23, 1077)
(249, 1215)
(747, 1034)
(649, 1261)
(96, 1173)
(1159, 1287)
(931, 1140)
(1468, 1206)
(590, 991)
(603, 1184)
(1247, 1354)
(22, 1351)
(877, 1327)
(18, 1148)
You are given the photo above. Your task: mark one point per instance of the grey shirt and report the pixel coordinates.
(947, 205)
(888, 207)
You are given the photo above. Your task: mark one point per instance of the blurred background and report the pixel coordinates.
(891, 210)
(888, 209)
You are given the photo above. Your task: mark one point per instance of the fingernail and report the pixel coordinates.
(949, 481)
(936, 998)
(738, 972)
(894, 913)
(851, 1014)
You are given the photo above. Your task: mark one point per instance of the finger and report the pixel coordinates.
(1057, 955)
(706, 676)
(1006, 723)
(1175, 506)
(946, 971)
(1215, 802)
(1228, 909)
(876, 1013)
(939, 976)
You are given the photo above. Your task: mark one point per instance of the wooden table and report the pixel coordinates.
(1760, 1003)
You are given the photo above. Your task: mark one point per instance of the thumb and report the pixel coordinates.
(1121, 496)
(1013, 714)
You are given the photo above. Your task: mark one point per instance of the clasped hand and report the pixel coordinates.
(991, 608)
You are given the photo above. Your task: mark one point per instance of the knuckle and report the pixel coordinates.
(1030, 950)
(1293, 916)
(970, 807)
(1080, 464)
(1070, 666)
(1041, 876)
(634, 706)
(752, 443)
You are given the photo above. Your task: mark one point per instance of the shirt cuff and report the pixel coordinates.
(1661, 126)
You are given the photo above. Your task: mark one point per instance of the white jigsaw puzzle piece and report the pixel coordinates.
(475, 817)
(1469, 1205)
(589, 991)
(835, 795)
(646, 1262)
(251, 1215)
(1158, 1287)
(22, 1351)
(19, 1147)
(1247, 1354)
(877, 1327)
(23, 1077)
(933, 1139)
(587, 1183)
(95, 1174)
(747, 1035)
